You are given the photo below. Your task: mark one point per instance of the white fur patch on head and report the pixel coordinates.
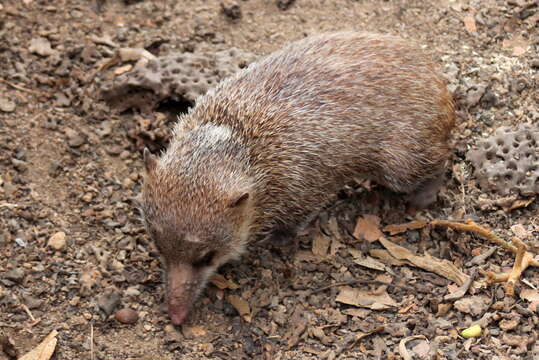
(192, 238)
(216, 133)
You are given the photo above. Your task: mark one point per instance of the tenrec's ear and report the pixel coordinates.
(239, 200)
(150, 162)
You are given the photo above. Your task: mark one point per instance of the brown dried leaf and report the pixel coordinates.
(320, 245)
(400, 228)
(443, 268)
(368, 228)
(386, 257)
(44, 350)
(223, 283)
(519, 203)
(403, 351)
(241, 306)
(366, 299)
(422, 349)
(360, 313)
(469, 24)
(370, 263)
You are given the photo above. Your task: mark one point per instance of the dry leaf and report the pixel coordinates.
(366, 299)
(44, 350)
(403, 351)
(520, 203)
(223, 283)
(368, 228)
(400, 228)
(422, 350)
(370, 263)
(241, 306)
(320, 245)
(356, 254)
(534, 306)
(469, 24)
(386, 257)
(443, 268)
(360, 313)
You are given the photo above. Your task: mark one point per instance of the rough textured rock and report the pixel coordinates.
(508, 161)
(178, 77)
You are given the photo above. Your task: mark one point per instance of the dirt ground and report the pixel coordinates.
(70, 164)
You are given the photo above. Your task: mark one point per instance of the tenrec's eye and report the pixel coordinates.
(204, 261)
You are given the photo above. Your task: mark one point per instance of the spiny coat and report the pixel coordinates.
(274, 143)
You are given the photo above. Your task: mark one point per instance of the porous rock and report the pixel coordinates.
(178, 77)
(508, 161)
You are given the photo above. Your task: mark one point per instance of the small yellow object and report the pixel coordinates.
(472, 331)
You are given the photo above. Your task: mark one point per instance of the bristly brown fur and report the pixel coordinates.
(291, 130)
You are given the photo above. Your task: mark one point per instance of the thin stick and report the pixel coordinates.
(91, 341)
(28, 312)
(523, 258)
(18, 87)
(471, 226)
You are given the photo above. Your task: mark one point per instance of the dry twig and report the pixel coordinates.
(18, 87)
(92, 341)
(523, 258)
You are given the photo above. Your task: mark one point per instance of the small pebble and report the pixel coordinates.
(41, 46)
(6, 105)
(126, 316)
(74, 139)
(114, 150)
(231, 9)
(57, 241)
(15, 275)
(108, 301)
